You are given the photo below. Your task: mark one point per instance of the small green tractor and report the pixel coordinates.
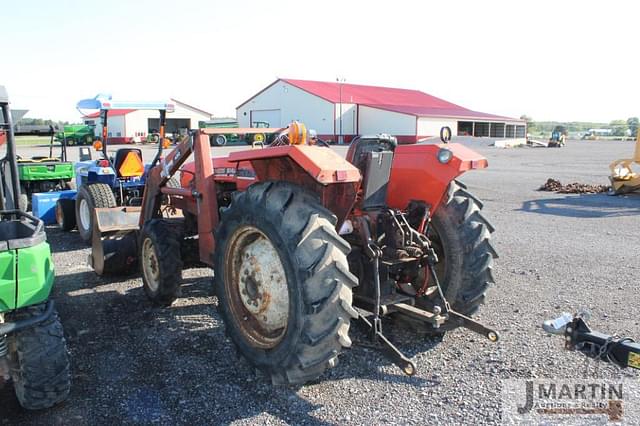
(33, 351)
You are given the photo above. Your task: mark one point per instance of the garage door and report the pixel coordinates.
(271, 116)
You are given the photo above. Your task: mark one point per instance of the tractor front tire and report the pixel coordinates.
(217, 140)
(66, 214)
(161, 260)
(283, 283)
(461, 239)
(90, 197)
(39, 361)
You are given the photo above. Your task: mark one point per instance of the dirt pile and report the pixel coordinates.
(553, 185)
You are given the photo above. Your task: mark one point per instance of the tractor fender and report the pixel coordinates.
(323, 165)
(417, 174)
(320, 170)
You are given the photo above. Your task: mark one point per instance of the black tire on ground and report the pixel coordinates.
(217, 140)
(66, 214)
(91, 196)
(461, 238)
(71, 142)
(161, 260)
(39, 361)
(305, 338)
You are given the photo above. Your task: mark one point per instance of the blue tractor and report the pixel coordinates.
(114, 179)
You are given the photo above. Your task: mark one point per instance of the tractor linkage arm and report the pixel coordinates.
(437, 316)
(622, 352)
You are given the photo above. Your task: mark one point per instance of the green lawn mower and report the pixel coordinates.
(33, 351)
(45, 174)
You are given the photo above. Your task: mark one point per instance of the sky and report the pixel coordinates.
(551, 60)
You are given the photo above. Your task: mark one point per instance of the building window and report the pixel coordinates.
(510, 131)
(465, 128)
(520, 131)
(481, 130)
(497, 130)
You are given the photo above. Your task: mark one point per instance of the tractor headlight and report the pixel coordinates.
(444, 155)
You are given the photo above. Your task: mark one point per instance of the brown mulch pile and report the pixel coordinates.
(572, 188)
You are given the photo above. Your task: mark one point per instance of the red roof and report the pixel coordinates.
(112, 113)
(405, 101)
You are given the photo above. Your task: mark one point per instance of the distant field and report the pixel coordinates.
(32, 140)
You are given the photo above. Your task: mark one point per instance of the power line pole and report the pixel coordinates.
(340, 80)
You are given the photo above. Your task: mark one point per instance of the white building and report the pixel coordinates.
(130, 125)
(341, 111)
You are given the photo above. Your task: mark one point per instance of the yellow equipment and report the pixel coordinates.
(623, 178)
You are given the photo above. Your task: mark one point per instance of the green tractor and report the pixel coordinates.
(248, 136)
(33, 351)
(44, 174)
(76, 134)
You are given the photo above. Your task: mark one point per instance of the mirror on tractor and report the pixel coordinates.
(445, 134)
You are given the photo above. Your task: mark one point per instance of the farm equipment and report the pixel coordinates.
(45, 174)
(228, 131)
(623, 178)
(109, 181)
(558, 137)
(578, 336)
(33, 352)
(300, 237)
(76, 134)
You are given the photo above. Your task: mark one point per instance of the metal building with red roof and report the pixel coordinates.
(130, 125)
(339, 111)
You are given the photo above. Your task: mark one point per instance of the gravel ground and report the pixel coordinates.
(136, 364)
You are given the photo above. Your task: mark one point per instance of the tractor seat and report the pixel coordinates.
(128, 163)
(373, 156)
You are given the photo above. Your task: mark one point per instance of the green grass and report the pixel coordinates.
(32, 140)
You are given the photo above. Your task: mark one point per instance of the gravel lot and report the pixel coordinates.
(136, 364)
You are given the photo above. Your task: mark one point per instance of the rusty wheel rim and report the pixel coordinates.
(256, 287)
(150, 265)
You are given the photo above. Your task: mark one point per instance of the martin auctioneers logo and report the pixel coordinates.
(587, 401)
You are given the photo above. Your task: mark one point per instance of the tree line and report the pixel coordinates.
(628, 127)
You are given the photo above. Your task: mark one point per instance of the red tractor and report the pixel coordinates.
(299, 237)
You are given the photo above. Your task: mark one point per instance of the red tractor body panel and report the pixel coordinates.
(324, 165)
(416, 173)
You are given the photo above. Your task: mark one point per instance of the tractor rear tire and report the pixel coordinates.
(461, 239)
(66, 214)
(161, 260)
(39, 361)
(283, 283)
(90, 197)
